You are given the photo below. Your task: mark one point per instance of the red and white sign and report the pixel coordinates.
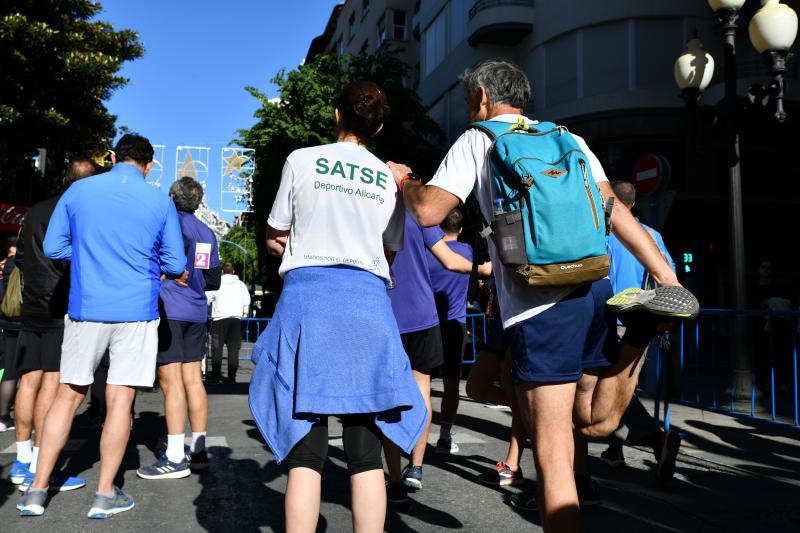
(11, 217)
(649, 173)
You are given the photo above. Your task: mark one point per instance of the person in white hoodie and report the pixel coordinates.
(228, 305)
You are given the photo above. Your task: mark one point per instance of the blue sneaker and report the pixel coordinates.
(106, 507)
(19, 471)
(412, 477)
(59, 482)
(163, 468)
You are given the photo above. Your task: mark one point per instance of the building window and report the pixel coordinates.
(340, 46)
(352, 27)
(363, 49)
(399, 26)
(382, 29)
(364, 8)
(434, 44)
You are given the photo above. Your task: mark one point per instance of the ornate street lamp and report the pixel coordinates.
(693, 71)
(773, 30)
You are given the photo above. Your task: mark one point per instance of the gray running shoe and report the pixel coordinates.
(106, 507)
(672, 301)
(32, 502)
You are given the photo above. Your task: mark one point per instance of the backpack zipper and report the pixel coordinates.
(589, 195)
(516, 161)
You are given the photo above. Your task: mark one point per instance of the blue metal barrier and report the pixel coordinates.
(476, 326)
(471, 349)
(709, 382)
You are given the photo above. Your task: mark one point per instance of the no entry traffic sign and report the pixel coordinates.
(650, 172)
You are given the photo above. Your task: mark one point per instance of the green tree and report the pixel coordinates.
(246, 263)
(57, 67)
(303, 116)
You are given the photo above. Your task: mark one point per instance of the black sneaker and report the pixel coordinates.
(198, 460)
(525, 501)
(613, 457)
(588, 491)
(412, 477)
(670, 444)
(396, 494)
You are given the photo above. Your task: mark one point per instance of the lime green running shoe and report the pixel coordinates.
(672, 301)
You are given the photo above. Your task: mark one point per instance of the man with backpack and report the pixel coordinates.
(543, 189)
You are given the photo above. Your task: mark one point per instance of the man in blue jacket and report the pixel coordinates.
(120, 235)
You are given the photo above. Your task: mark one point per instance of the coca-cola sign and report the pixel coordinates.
(11, 217)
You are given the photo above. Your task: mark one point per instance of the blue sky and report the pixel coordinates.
(188, 89)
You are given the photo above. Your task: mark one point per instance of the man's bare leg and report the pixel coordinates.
(423, 379)
(116, 430)
(57, 424)
(196, 397)
(517, 442)
(480, 382)
(45, 398)
(25, 404)
(546, 408)
(171, 379)
(603, 394)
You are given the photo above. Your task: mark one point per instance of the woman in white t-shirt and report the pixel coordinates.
(333, 347)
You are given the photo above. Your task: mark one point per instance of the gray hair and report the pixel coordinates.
(187, 194)
(505, 83)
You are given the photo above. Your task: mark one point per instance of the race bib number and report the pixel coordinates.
(202, 255)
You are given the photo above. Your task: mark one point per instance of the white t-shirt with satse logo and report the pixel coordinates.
(341, 206)
(466, 167)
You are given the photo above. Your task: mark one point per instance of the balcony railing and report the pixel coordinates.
(480, 5)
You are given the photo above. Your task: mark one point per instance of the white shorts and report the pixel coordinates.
(132, 348)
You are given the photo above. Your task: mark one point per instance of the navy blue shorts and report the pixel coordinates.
(181, 342)
(574, 335)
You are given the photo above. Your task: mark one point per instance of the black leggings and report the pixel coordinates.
(362, 445)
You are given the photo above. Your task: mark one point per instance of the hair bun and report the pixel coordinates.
(363, 107)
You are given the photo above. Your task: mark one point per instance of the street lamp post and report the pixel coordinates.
(772, 31)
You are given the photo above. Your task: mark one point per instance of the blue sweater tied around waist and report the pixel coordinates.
(333, 348)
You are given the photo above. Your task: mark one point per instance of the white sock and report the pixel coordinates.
(175, 451)
(24, 451)
(198, 441)
(444, 431)
(34, 460)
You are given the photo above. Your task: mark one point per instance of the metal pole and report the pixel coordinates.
(729, 19)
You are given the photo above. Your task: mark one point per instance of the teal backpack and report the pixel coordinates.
(549, 221)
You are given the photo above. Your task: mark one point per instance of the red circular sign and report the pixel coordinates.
(648, 173)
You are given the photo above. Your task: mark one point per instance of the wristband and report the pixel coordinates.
(410, 176)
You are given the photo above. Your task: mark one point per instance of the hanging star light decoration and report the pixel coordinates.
(234, 162)
(188, 168)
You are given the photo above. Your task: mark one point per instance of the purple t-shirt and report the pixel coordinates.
(412, 296)
(450, 288)
(189, 304)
